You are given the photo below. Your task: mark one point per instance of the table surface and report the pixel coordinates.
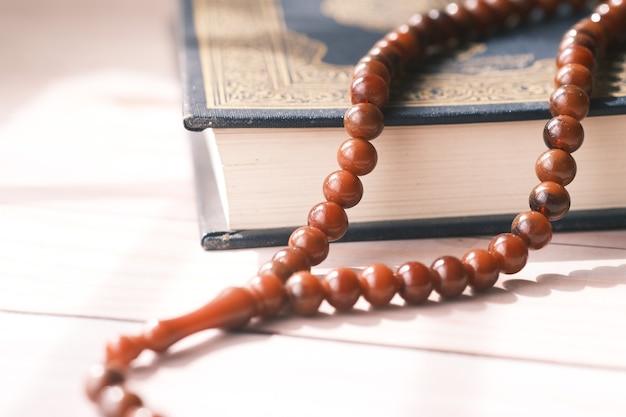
(99, 234)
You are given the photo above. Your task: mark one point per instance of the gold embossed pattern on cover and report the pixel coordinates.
(250, 60)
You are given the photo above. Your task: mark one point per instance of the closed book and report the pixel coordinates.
(266, 86)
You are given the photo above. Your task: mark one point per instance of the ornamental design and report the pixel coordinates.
(251, 60)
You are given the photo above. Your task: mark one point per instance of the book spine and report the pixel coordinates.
(603, 219)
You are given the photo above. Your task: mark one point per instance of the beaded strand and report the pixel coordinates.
(286, 280)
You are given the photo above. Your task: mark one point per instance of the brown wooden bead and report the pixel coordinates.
(423, 28)
(574, 74)
(115, 401)
(550, 199)
(372, 66)
(382, 59)
(378, 284)
(342, 288)
(281, 270)
(576, 54)
(575, 37)
(99, 377)
(533, 228)
(510, 251)
(305, 293)
(416, 282)
(330, 218)
(369, 88)
(505, 10)
(462, 18)
(312, 241)
(569, 100)
(403, 38)
(563, 132)
(484, 16)
(295, 259)
(392, 52)
(363, 121)
(344, 188)
(556, 165)
(449, 276)
(269, 294)
(610, 21)
(593, 29)
(445, 27)
(482, 268)
(357, 156)
(619, 8)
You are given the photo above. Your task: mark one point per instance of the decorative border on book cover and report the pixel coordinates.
(252, 59)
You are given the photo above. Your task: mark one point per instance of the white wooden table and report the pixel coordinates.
(99, 233)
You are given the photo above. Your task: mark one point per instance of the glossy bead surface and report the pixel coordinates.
(115, 401)
(463, 19)
(618, 8)
(510, 251)
(408, 44)
(556, 165)
(281, 270)
(312, 241)
(446, 28)
(378, 284)
(294, 258)
(484, 16)
(344, 188)
(369, 88)
(563, 132)
(416, 282)
(269, 294)
(505, 10)
(423, 28)
(392, 53)
(357, 156)
(574, 74)
(576, 37)
(363, 121)
(449, 276)
(569, 100)
(594, 30)
(99, 377)
(533, 228)
(342, 288)
(550, 199)
(576, 54)
(482, 268)
(305, 293)
(372, 66)
(605, 15)
(330, 218)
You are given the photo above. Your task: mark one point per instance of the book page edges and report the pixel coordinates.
(423, 172)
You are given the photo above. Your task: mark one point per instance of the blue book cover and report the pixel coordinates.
(287, 63)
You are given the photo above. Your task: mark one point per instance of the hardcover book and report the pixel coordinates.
(265, 83)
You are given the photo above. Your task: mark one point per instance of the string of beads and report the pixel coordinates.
(286, 280)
